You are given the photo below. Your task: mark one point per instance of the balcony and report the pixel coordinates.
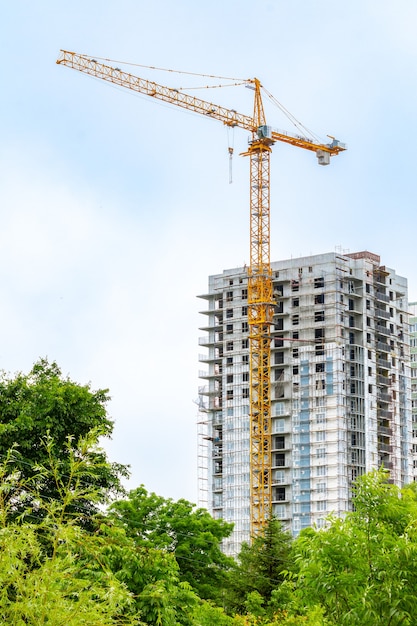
(382, 314)
(383, 363)
(383, 346)
(384, 397)
(382, 330)
(387, 464)
(385, 431)
(381, 296)
(385, 448)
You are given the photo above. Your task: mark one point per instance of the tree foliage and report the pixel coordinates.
(51, 569)
(150, 561)
(361, 569)
(44, 403)
(258, 570)
(190, 534)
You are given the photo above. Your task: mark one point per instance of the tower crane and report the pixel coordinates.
(260, 291)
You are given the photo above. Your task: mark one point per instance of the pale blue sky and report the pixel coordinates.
(114, 209)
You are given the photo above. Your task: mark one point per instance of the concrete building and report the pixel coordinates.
(340, 387)
(413, 374)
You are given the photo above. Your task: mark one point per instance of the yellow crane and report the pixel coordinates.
(260, 296)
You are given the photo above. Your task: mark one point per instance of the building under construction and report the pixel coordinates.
(413, 374)
(339, 388)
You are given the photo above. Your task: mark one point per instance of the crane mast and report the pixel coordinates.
(260, 315)
(260, 292)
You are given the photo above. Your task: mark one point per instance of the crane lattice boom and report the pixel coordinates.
(260, 296)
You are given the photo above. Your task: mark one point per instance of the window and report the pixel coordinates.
(320, 367)
(245, 392)
(280, 494)
(295, 370)
(244, 294)
(229, 345)
(321, 470)
(320, 417)
(280, 442)
(279, 374)
(280, 459)
(279, 476)
(295, 334)
(229, 312)
(321, 505)
(319, 350)
(280, 410)
(320, 435)
(245, 377)
(229, 378)
(229, 328)
(321, 487)
(321, 453)
(319, 316)
(245, 358)
(245, 344)
(295, 353)
(318, 282)
(320, 385)
(319, 333)
(229, 360)
(229, 296)
(319, 298)
(229, 395)
(295, 285)
(230, 281)
(244, 310)
(296, 302)
(245, 327)
(279, 358)
(295, 320)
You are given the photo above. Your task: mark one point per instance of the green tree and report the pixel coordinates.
(151, 575)
(51, 569)
(189, 533)
(361, 569)
(44, 402)
(259, 569)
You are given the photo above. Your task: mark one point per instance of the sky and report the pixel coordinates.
(115, 209)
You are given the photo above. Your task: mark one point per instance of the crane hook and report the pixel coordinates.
(230, 164)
